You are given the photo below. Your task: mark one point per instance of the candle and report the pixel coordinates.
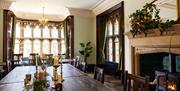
(59, 78)
(36, 61)
(42, 74)
(56, 60)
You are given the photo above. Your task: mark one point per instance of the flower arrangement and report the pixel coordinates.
(148, 18)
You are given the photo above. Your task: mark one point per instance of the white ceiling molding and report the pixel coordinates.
(4, 4)
(97, 4)
(52, 7)
(81, 12)
(36, 16)
(105, 6)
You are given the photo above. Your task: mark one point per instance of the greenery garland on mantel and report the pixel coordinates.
(148, 18)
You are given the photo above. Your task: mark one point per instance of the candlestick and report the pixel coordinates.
(42, 75)
(56, 60)
(36, 61)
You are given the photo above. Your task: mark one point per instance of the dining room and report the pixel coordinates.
(90, 45)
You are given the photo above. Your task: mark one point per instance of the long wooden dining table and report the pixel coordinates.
(74, 79)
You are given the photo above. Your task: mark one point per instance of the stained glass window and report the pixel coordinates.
(17, 32)
(46, 33)
(54, 32)
(27, 32)
(16, 46)
(54, 48)
(63, 47)
(35, 39)
(116, 27)
(62, 33)
(37, 46)
(117, 50)
(37, 32)
(46, 47)
(110, 28)
(110, 50)
(27, 48)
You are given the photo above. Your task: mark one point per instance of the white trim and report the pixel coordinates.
(97, 4)
(4, 4)
(105, 5)
(81, 12)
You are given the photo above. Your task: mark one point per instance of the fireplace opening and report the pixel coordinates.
(151, 62)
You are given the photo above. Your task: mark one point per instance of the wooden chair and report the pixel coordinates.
(16, 59)
(160, 78)
(83, 66)
(25, 61)
(32, 58)
(49, 58)
(77, 61)
(99, 74)
(136, 83)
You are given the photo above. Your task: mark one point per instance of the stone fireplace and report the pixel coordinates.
(168, 42)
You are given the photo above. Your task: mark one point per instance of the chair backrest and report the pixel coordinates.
(77, 61)
(161, 78)
(99, 74)
(83, 66)
(136, 83)
(32, 58)
(17, 58)
(25, 61)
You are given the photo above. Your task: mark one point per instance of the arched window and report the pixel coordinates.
(117, 57)
(37, 32)
(46, 33)
(46, 47)
(54, 32)
(17, 32)
(110, 50)
(16, 46)
(110, 28)
(27, 48)
(112, 47)
(37, 46)
(62, 33)
(54, 47)
(27, 32)
(63, 47)
(116, 27)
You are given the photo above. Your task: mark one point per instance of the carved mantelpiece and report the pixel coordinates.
(154, 43)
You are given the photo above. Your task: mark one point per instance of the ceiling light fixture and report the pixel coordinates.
(43, 20)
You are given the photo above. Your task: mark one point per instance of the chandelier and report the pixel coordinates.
(43, 20)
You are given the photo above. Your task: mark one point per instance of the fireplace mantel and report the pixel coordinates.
(157, 43)
(154, 43)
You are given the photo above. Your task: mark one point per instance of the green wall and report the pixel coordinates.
(84, 32)
(1, 35)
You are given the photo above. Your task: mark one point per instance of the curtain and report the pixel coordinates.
(101, 32)
(65, 37)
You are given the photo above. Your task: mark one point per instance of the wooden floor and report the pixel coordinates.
(111, 82)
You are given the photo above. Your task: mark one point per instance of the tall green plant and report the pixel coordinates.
(86, 50)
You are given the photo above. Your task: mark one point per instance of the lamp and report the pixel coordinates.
(43, 20)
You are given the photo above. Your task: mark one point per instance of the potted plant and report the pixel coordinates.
(86, 50)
